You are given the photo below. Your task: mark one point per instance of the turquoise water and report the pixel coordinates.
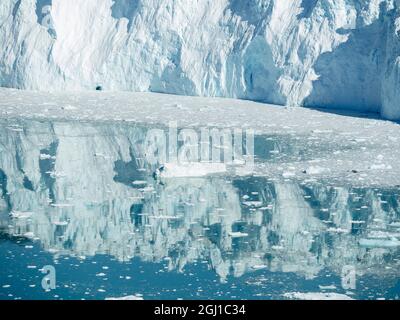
(68, 200)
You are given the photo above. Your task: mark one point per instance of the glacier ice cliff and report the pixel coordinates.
(327, 53)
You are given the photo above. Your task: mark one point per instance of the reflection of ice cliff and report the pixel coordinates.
(70, 186)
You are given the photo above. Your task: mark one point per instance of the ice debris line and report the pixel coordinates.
(327, 53)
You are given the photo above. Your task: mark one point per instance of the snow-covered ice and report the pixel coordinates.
(327, 53)
(356, 148)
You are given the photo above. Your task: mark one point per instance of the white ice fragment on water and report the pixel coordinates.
(338, 230)
(15, 129)
(316, 296)
(165, 217)
(253, 203)
(380, 166)
(133, 297)
(193, 169)
(68, 107)
(288, 174)
(238, 234)
(29, 235)
(259, 266)
(322, 131)
(379, 243)
(60, 223)
(330, 287)
(21, 214)
(101, 274)
(61, 205)
(139, 182)
(44, 156)
(316, 170)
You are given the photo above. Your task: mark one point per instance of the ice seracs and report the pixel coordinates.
(327, 53)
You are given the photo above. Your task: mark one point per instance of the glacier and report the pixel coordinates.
(340, 54)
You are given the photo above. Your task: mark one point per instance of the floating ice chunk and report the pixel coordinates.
(15, 129)
(101, 274)
(21, 214)
(69, 108)
(259, 266)
(316, 296)
(338, 230)
(379, 243)
(331, 287)
(139, 182)
(253, 203)
(238, 234)
(62, 205)
(165, 217)
(60, 223)
(380, 166)
(315, 170)
(288, 174)
(44, 156)
(193, 169)
(29, 235)
(133, 297)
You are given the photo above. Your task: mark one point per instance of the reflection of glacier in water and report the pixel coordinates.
(83, 190)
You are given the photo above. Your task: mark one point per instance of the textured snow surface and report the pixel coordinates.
(306, 143)
(327, 53)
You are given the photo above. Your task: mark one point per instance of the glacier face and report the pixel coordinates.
(327, 53)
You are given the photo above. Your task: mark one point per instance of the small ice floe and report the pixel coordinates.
(191, 169)
(55, 174)
(253, 203)
(69, 107)
(44, 156)
(330, 287)
(165, 217)
(357, 221)
(314, 170)
(133, 297)
(338, 230)
(288, 174)
(380, 166)
(21, 214)
(238, 234)
(60, 223)
(139, 182)
(101, 274)
(259, 266)
(316, 296)
(321, 131)
(16, 129)
(29, 235)
(147, 189)
(61, 205)
(379, 243)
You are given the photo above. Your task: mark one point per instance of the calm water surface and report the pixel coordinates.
(80, 197)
